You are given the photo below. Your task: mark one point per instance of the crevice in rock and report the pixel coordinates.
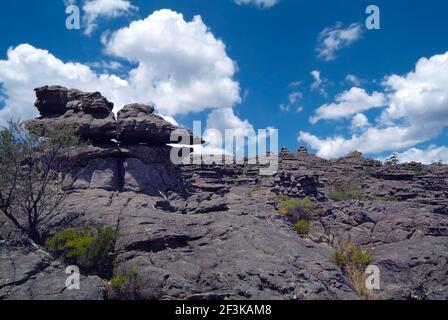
(120, 174)
(163, 243)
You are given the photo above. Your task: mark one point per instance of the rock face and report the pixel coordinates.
(213, 232)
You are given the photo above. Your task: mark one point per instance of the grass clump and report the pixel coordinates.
(125, 285)
(353, 261)
(344, 191)
(90, 249)
(302, 227)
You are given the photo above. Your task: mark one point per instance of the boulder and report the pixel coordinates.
(89, 103)
(137, 123)
(51, 100)
(90, 114)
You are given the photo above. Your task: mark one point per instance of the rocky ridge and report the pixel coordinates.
(214, 232)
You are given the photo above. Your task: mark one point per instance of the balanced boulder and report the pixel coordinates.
(137, 123)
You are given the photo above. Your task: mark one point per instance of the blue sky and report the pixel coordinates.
(248, 66)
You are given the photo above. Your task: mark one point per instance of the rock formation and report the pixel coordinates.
(214, 232)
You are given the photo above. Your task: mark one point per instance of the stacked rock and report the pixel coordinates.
(90, 114)
(129, 153)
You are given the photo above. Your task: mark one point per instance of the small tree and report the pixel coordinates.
(392, 160)
(33, 168)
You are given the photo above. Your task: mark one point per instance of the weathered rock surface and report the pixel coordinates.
(213, 232)
(28, 273)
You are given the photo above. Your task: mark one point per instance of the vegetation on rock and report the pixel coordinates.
(33, 168)
(302, 227)
(299, 211)
(126, 285)
(343, 191)
(353, 262)
(91, 250)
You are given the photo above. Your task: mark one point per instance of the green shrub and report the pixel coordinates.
(126, 285)
(344, 191)
(92, 250)
(339, 258)
(351, 255)
(304, 206)
(302, 227)
(118, 282)
(99, 254)
(299, 211)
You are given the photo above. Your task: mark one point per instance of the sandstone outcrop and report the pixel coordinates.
(213, 232)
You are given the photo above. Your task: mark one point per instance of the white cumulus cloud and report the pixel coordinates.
(426, 156)
(371, 140)
(416, 111)
(333, 39)
(181, 67)
(218, 122)
(359, 122)
(27, 67)
(349, 103)
(96, 9)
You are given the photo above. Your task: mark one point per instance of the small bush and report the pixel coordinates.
(296, 208)
(302, 227)
(91, 250)
(344, 191)
(118, 282)
(100, 252)
(69, 243)
(353, 261)
(350, 254)
(299, 211)
(125, 285)
(339, 258)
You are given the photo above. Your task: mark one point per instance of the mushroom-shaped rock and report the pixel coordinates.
(137, 124)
